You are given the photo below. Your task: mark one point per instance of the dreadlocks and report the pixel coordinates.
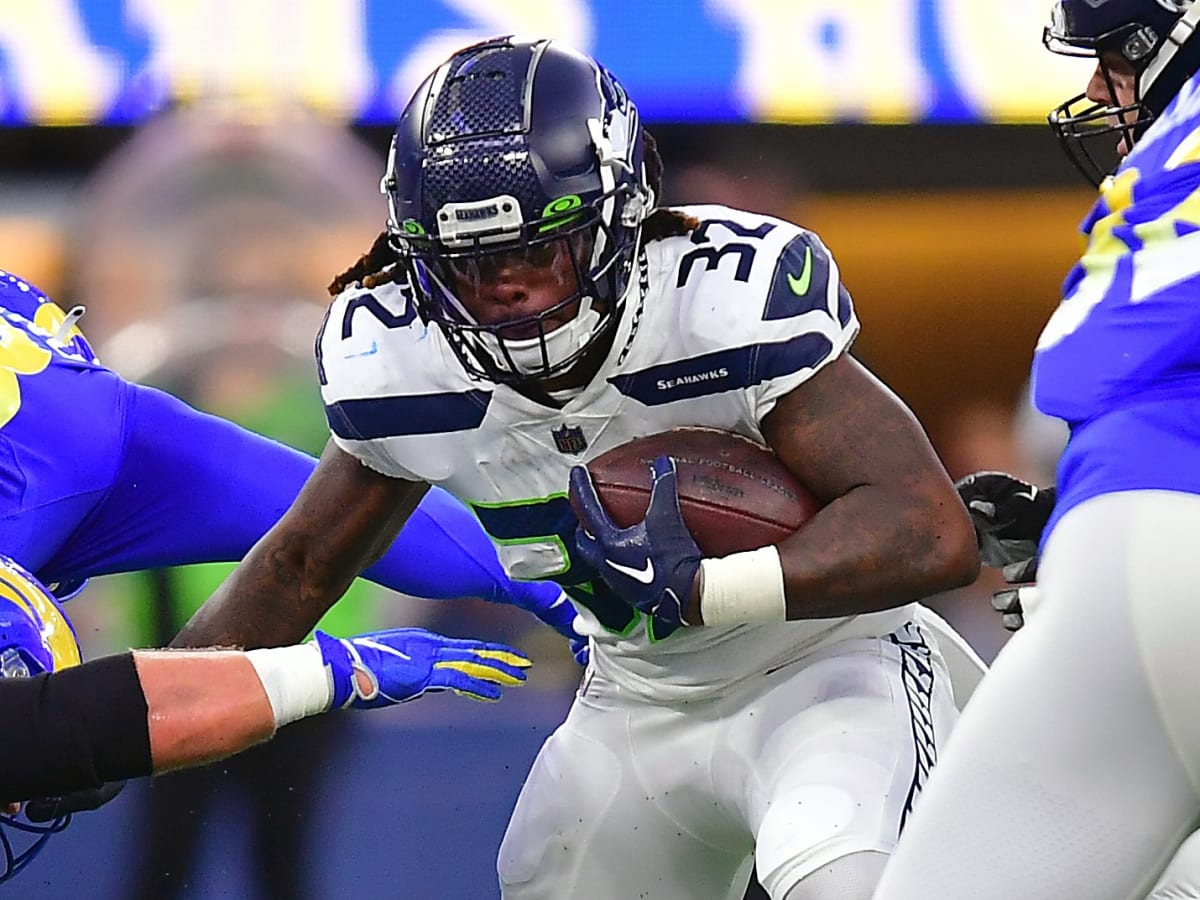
(379, 265)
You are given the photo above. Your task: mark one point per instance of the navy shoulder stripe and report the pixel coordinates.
(317, 349)
(380, 417)
(725, 370)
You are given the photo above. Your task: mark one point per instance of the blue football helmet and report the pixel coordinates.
(1160, 39)
(518, 152)
(35, 637)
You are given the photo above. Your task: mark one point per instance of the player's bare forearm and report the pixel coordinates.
(272, 598)
(201, 706)
(894, 529)
(342, 521)
(870, 550)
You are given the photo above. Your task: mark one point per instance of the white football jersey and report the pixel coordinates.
(737, 314)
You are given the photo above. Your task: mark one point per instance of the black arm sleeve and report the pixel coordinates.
(73, 730)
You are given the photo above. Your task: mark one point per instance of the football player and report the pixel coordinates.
(1075, 772)
(529, 307)
(70, 727)
(102, 476)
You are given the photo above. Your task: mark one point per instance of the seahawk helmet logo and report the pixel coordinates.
(569, 439)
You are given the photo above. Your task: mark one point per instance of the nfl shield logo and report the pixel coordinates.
(569, 439)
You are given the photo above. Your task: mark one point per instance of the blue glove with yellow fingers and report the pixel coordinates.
(401, 664)
(652, 565)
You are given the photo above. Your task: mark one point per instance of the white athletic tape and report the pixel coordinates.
(743, 587)
(295, 681)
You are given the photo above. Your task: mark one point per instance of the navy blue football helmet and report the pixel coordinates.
(525, 151)
(35, 637)
(1160, 39)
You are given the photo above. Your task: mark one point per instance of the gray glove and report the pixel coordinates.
(1014, 604)
(1009, 516)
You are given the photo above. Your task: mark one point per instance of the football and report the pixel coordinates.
(734, 493)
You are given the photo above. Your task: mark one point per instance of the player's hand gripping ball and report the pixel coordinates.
(735, 494)
(651, 565)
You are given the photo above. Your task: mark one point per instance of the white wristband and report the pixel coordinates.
(743, 587)
(295, 681)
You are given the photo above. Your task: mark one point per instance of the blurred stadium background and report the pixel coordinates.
(195, 173)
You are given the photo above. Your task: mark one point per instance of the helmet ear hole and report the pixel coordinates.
(35, 633)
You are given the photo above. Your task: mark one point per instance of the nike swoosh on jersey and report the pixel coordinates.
(645, 574)
(801, 284)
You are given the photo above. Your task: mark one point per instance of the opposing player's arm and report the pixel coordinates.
(342, 521)
(202, 706)
(208, 490)
(155, 711)
(893, 529)
(126, 716)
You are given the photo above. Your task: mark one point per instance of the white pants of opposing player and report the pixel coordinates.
(1075, 771)
(795, 770)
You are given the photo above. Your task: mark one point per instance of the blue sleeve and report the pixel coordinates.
(194, 488)
(443, 553)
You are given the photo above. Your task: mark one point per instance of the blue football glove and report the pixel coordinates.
(401, 664)
(653, 565)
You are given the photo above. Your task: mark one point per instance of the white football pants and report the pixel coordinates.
(793, 770)
(1075, 771)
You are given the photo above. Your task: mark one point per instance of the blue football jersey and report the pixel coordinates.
(100, 475)
(53, 467)
(1119, 360)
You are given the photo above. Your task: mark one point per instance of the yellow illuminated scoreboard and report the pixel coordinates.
(808, 61)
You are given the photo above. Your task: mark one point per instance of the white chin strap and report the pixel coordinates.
(560, 344)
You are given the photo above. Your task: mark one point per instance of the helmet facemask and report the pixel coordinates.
(575, 244)
(34, 834)
(1093, 134)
